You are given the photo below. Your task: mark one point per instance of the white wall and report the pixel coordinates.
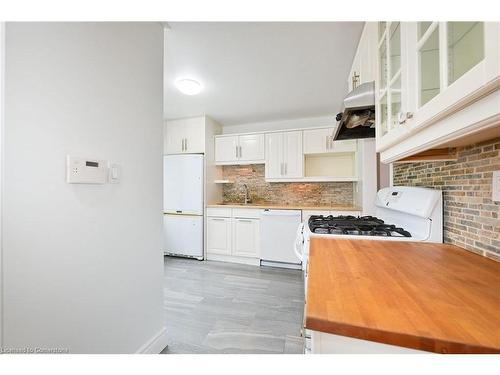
(310, 122)
(2, 66)
(82, 264)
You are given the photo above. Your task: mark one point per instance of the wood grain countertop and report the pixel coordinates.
(433, 297)
(283, 207)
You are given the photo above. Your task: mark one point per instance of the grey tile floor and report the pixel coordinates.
(216, 307)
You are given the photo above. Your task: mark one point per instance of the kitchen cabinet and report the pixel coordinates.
(239, 149)
(363, 65)
(185, 136)
(233, 235)
(317, 141)
(437, 85)
(246, 237)
(219, 235)
(284, 156)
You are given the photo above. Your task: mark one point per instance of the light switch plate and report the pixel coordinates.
(495, 188)
(114, 173)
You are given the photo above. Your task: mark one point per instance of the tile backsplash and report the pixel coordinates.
(293, 193)
(471, 218)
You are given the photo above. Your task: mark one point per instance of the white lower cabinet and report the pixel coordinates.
(246, 237)
(233, 235)
(327, 343)
(219, 235)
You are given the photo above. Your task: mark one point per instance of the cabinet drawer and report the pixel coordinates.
(250, 213)
(218, 212)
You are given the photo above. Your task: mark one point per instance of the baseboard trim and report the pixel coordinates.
(156, 344)
(234, 259)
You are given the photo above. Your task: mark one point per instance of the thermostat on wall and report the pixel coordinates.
(85, 171)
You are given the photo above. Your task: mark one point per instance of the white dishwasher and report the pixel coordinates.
(278, 231)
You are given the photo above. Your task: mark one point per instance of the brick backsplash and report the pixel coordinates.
(293, 193)
(471, 218)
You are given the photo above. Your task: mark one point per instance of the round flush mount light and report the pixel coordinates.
(188, 86)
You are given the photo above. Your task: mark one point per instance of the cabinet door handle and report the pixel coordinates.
(185, 144)
(217, 219)
(182, 144)
(244, 220)
(236, 151)
(240, 150)
(326, 142)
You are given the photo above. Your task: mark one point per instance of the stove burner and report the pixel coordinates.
(360, 226)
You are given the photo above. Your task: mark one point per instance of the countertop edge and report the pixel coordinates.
(423, 343)
(285, 207)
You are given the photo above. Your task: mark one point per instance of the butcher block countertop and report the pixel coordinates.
(433, 297)
(283, 207)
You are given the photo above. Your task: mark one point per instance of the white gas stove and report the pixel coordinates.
(403, 213)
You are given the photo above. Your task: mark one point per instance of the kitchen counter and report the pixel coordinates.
(432, 297)
(283, 207)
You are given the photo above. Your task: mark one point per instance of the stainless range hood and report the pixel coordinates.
(358, 118)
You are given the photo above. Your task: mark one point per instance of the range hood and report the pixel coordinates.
(358, 118)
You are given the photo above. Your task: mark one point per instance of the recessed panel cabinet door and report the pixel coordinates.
(246, 237)
(251, 147)
(174, 136)
(274, 155)
(194, 142)
(219, 235)
(226, 149)
(317, 141)
(293, 156)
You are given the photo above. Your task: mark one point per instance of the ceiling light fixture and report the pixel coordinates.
(188, 86)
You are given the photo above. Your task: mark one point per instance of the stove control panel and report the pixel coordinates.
(411, 200)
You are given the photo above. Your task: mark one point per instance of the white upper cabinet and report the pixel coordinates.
(251, 147)
(293, 158)
(239, 149)
(226, 149)
(363, 66)
(185, 136)
(437, 83)
(318, 141)
(284, 156)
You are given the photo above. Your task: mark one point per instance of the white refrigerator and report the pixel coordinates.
(183, 205)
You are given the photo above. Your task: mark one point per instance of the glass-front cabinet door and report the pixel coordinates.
(454, 60)
(389, 88)
(429, 70)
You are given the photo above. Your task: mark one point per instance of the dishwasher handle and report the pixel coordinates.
(281, 213)
(299, 243)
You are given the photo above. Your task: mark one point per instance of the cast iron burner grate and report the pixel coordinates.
(351, 225)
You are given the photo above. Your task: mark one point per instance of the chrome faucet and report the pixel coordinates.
(247, 194)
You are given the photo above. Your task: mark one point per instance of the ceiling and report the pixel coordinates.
(255, 72)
